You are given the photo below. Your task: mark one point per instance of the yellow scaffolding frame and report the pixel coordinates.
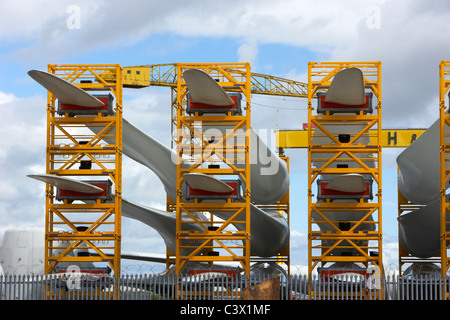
(193, 150)
(319, 78)
(101, 220)
(444, 133)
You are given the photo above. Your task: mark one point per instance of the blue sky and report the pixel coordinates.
(277, 38)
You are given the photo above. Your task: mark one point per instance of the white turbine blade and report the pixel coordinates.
(204, 89)
(269, 173)
(206, 182)
(419, 182)
(351, 182)
(418, 178)
(347, 88)
(151, 257)
(66, 92)
(420, 269)
(64, 183)
(419, 231)
(163, 222)
(148, 152)
(269, 230)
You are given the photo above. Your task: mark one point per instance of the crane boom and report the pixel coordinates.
(166, 75)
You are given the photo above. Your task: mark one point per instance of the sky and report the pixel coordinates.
(279, 38)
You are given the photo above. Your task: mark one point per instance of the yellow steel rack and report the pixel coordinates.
(366, 157)
(70, 226)
(194, 154)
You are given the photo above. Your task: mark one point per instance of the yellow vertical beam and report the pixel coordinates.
(444, 125)
(179, 264)
(247, 193)
(379, 96)
(118, 172)
(49, 189)
(311, 91)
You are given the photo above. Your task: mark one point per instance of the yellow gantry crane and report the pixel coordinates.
(390, 138)
(166, 75)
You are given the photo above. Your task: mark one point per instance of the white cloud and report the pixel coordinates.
(247, 52)
(6, 98)
(410, 43)
(23, 150)
(298, 238)
(304, 23)
(44, 24)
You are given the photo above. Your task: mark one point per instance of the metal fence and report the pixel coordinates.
(204, 287)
